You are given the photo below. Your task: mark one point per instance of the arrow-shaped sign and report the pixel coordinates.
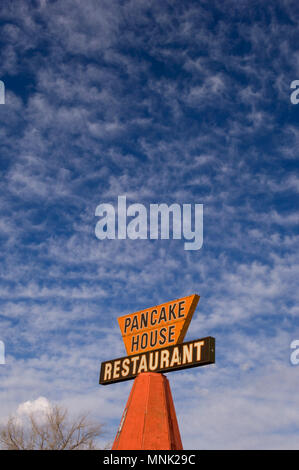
(157, 327)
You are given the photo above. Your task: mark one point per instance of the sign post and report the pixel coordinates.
(153, 340)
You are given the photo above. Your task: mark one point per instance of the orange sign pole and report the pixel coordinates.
(149, 420)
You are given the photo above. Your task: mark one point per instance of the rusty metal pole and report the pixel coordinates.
(149, 420)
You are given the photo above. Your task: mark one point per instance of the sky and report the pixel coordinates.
(183, 102)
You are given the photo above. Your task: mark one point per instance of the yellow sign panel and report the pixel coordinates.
(157, 327)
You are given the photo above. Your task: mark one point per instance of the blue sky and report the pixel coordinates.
(174, 102)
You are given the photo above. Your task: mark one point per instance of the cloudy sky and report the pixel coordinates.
(164, 102)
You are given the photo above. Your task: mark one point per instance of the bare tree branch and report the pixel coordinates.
(54, 431)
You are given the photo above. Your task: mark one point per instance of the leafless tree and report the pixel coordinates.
(56, 431)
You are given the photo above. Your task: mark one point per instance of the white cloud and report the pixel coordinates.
(39, 408)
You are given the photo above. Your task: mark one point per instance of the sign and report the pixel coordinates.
(194, 353)
(156, 327)
(153, 339)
